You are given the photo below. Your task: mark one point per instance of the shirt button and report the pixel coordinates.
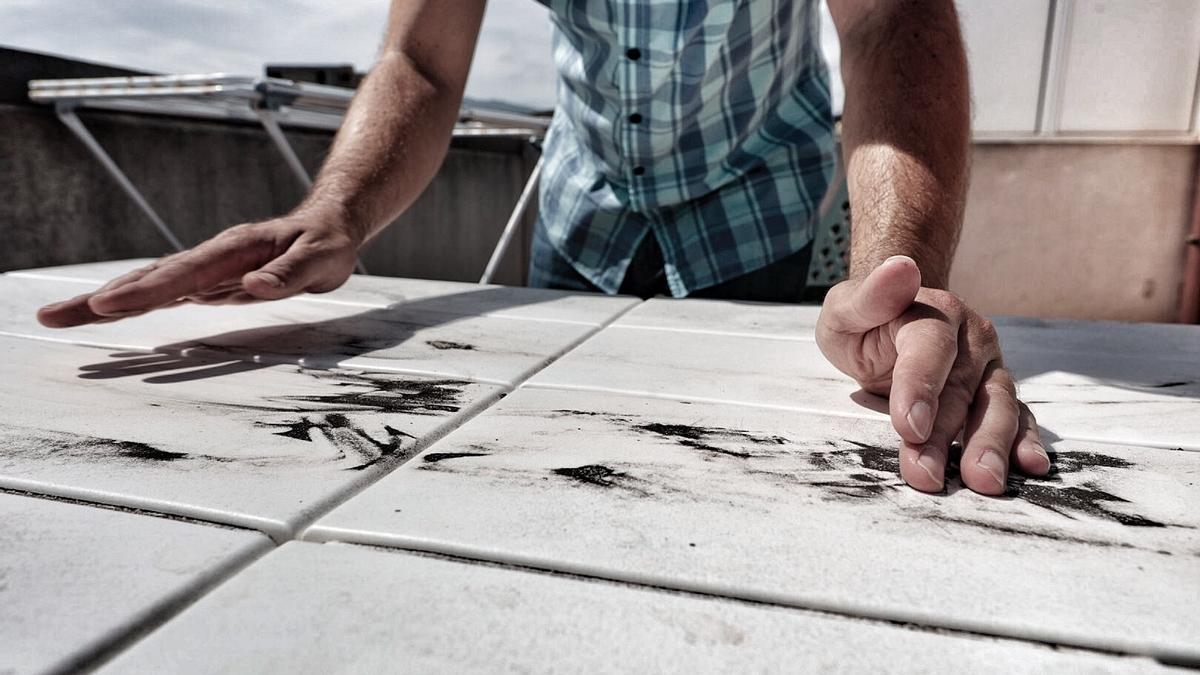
(634, 53)
(635, 118)
(639, 170)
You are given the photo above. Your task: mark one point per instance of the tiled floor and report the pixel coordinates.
(670, 485)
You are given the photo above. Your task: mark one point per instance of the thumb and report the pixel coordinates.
(285, 276)
(884, 295)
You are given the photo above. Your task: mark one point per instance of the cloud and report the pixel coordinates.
(512, 61)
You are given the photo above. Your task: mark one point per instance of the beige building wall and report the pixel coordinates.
(1076, 230)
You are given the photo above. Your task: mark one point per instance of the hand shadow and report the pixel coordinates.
(320, 344)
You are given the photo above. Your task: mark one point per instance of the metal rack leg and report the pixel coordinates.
(266, 117)
(510, 228)
(68, 117)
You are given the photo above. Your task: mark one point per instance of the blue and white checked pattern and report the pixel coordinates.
(707, 122)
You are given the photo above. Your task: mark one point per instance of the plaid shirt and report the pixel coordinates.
(706, 122)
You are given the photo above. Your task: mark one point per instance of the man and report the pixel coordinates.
(689, 148)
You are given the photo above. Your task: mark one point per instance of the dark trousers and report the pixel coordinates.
(781, 281)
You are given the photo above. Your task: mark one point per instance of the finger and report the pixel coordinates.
(138, 312)
(926, 350)
(184, 274)
(1029, 453)
(284, 276)
(923, 465)
(131, 276)
(73, 312)
(990, 432)
(882, 296)
(235, 296)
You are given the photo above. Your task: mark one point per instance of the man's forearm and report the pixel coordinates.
(905, 132)
(390, 145)
(398, 128)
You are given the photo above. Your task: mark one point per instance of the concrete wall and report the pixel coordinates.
(1078, 231)
(58, 206)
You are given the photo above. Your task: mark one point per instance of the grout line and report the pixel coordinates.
(729, 333)
(62, 496)
(850, 610)
(669, 396)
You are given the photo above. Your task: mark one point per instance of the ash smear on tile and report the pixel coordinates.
(598, 475)
(1170, 385)
(705, 438)
(367, 394)
(143, 451)
(1027, 532)
(1085, 498)
(388, 394)
(349, 438)
(300, 418)
(447, 344)
(435, 457)
(866, 472)
(68, 447)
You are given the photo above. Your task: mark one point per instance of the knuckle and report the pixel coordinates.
(1001, 397)
(957, 394)
(988, 330)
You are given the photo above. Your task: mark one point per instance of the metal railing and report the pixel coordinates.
(269, 102)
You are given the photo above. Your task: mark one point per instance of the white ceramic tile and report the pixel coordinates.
(97, 272)
(367, 610)
(75, 580)
(415, 337)
(804, 510)
(759, 319)
(227, 441)
(790, 374)
(1142, 397)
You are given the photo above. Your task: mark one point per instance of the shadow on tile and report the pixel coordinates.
(318, 344)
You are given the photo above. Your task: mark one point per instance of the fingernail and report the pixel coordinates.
(1040, 451)
(928, 461)
(271, 279)
(994, 464)
(894, 259)
(920, 419)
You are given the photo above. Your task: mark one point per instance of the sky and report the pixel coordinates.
(512, 59)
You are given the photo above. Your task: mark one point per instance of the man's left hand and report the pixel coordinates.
(939, 364)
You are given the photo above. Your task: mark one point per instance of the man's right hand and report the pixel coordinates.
(274, 259)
